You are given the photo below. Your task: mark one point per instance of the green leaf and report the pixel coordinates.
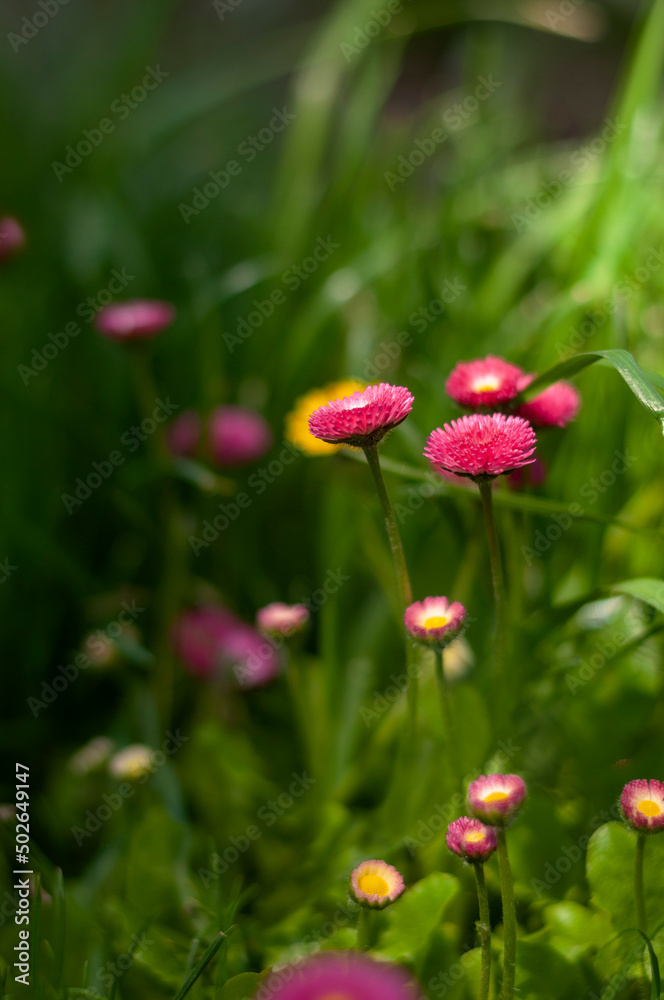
(416, 915)
(646, 589)
(240, 987)
(543, 974)
(610, 870)
(623, 362)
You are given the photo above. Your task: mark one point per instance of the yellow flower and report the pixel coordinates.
(297, 421)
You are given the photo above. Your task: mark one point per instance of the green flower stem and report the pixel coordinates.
(364, 929)
(403, 580)
(484, 929)
(448, 726)
(498, 584)
(638, 881)
(509, 918)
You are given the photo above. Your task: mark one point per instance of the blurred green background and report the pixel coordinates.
(537, 222)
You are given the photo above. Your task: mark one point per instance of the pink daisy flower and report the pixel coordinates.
(642, 804)
(484, 382)
(557, 406)
(183, 434)
(211, 641)
(238, 435)
(12, 238)
(471, 840)
(482, 446)
(136, 319)
(252, 658)
(340, 976)
(434, 620)
(496, 798)
(363, 418)
(282, 619)
(375, 884)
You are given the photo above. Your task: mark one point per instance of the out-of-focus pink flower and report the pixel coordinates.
(482, 445)
(238, 435)
(471, 839)
(528, 475)
(136, 319)
(282, 619)
(435, 620)
(364, 417)
(199, 635)
(183, 434)
(642, 804)
(496, 798)
(557, 406)
(341, 976)
(484, 382)
(376, 884)
(12, 238)
(251, 657)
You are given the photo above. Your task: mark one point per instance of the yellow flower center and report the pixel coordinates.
(487, 384)
(373, 885)
(436, 621)
(649, 808)
(474, 837)
(496, 797)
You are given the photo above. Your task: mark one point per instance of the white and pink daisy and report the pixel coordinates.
(340, 976)
(363, 418)
(484, 382)
(375, 884)
(471, 839)
(557, 406)
(135, 319)
(282, 619)
(435, 620)
(482, 446)
(642, 804)
(495, 799)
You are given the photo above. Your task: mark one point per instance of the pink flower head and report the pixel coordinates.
(183, 434)
(340, 975)
(434, 620)
(12, 238)
(375, 884)
(282, 619)
(136, 319)
(364, 417)
(198, 637)
(642, 804)
(496, 798)
(252, 658)
(484, 382)
(557, 406)
(238, 435)
(528, 475)
(482, 445)
(471, 840)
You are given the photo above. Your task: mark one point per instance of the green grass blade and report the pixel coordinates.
(201, 965)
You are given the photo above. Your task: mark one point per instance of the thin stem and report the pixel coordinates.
(509, 918)
(484, 929)
(364, 929)
(448, 725)
(638, 882)
(403, 580)
(498, 583)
